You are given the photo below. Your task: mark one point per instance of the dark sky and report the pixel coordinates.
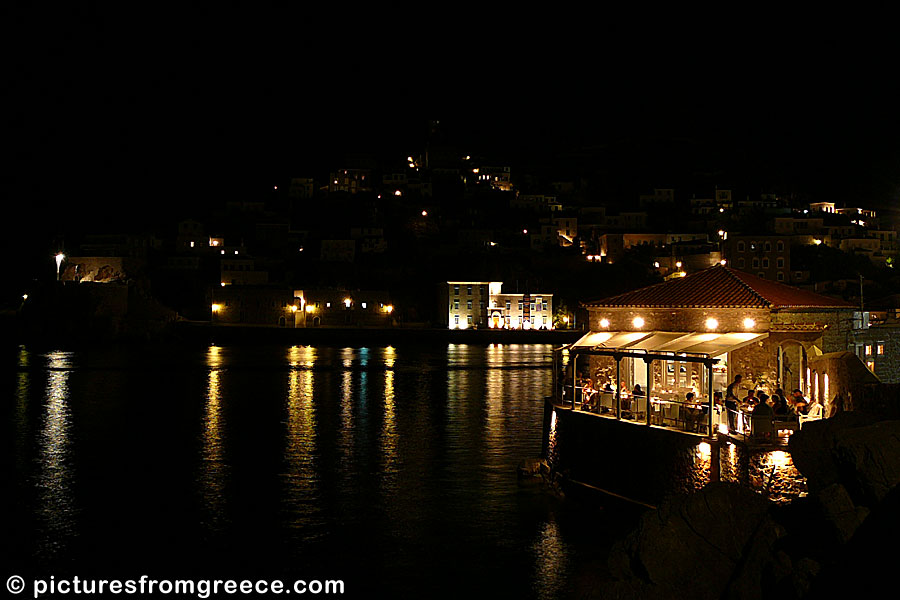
(103, 118)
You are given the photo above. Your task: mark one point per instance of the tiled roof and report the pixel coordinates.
(721, 287)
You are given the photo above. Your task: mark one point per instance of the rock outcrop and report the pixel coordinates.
(728, 542)
(716, 543)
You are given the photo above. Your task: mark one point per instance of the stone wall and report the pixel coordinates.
(887, 364)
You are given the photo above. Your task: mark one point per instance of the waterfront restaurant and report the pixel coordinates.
(693, 335)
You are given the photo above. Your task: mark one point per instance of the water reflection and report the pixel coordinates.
(347, 426)
(213, 467)
(302, 478)
(21, 418)
(551, 561)
(56, 511)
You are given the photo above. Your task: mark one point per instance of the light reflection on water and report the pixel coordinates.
(214, 469)
(56, 511)
(301, 480)
(398, 463)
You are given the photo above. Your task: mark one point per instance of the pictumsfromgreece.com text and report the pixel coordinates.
(201, 588)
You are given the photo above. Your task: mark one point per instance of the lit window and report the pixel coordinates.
(328, 305)
(871, 365)
(880, 348)
(868, 349)
(363, 304)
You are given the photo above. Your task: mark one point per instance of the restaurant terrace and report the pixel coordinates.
(659, 355)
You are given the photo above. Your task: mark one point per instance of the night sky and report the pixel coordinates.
(106, 124)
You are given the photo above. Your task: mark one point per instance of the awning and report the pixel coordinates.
(638, 342)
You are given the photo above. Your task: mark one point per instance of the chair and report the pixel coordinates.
(814, 414)
(761, 426)
(640, 408)
(607, 401)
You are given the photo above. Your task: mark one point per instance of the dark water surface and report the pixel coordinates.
(392, 469)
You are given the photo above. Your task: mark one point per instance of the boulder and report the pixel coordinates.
(850, 449)
(841, 516)
(867, 563)
(716, 543)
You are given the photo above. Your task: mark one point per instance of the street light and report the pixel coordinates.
(60, 257)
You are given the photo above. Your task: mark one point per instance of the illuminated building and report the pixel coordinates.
(480, 304)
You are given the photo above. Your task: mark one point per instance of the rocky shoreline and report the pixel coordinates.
(729, 542)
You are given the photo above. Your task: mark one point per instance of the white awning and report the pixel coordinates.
(705, 343)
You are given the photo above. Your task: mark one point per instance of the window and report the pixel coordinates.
(740, 263)
(456, 319)
(768, 246)
(765, 263)
(879, 348)
(761, 275)
(779, 246)
(871, 365)
(328, 305)
(545, 306)
(521, 304)
(544, 320)
(780, 276)
(779, 263)
(508, 305)
(755, 263)
(363, 304)
(469, 319)
(868, 349)
(532, 307)
(740, 246)
(468, 290)
(468, 305)
(456, 290)
(456, 304)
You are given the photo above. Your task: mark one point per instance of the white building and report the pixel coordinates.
(477, 304)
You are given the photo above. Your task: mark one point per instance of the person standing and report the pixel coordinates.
(731, 402)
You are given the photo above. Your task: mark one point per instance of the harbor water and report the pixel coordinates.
(392, 469)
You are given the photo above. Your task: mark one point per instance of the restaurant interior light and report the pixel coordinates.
(216, 307)
(605, 322)
(712, 323)
(749, 323)
(638, 322)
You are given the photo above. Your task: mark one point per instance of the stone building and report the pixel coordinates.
(697, 332)
(478, 304)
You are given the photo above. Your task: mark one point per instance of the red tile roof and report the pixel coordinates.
(721, 287)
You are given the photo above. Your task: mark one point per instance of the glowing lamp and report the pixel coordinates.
(605, 322)
(347, 302)
(638, 322)
(749, 323)
(293, 308)
(216, 308)
(712, 323)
